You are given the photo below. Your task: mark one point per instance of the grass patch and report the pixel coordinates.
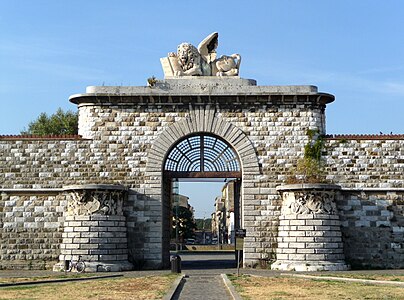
(20, 287)
(281, 293)
(238, 284)
(50, 277)
(152, 287)
(296, 288)
(386, 277)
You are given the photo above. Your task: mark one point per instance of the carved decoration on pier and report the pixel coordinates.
(309, 202)
(201, 61)
(92, 202)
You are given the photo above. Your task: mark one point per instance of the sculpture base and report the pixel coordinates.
(309, 266)
(205, 84)
(99, 266)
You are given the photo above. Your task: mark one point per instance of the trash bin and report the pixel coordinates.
(175, 264)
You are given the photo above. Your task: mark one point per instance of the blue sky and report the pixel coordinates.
(202, 196)
(52, 49)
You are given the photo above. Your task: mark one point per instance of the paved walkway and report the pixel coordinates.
(202, 287)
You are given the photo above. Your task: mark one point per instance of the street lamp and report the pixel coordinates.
(203, 229)
(176, 200)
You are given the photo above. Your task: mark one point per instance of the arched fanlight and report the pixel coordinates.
(202, 153)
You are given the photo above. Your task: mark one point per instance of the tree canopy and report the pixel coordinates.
(59, 123)
(204, 224)
(183, 218)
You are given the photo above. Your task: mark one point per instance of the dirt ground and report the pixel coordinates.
(153, 287)
(256, 288)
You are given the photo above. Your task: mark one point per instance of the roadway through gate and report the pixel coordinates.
(201, 157)
(202, 275)
(214, 262)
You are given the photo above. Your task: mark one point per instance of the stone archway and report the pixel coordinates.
(197, 157)
(202, 120)
(199, 121)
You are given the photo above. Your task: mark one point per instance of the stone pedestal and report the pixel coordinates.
(95, 229)
(309, 236)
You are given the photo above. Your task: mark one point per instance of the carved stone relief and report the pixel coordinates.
(309, 202)
(91, 202)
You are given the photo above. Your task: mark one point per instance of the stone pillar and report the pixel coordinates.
(95, 228)
(309, 235)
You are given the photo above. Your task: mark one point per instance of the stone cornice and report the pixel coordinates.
(103, 187)
(304, 186)
(95, 187)
(307, 186)
(59, 190)
(40, 137)
(31, 190)
(367, 189)
(197, 90)
(365, 137)
(176, 99)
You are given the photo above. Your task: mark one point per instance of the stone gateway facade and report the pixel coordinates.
(106, 193)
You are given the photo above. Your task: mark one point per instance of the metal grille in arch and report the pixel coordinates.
(202, 153)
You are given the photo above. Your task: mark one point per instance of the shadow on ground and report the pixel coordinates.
(207, 260)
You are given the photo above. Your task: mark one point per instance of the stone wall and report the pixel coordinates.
(277, 136)
(115, 149)
(31, 226)
(37, 163)
(357, 161)
(373, 227)
(371, 170)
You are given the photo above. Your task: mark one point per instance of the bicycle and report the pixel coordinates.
(79, 265)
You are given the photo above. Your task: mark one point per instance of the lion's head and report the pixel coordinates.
(188, 56)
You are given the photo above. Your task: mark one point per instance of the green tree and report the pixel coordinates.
(183, 218)
(58, 123)
(203, 224)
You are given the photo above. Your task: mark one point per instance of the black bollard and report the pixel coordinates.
(175, 264)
